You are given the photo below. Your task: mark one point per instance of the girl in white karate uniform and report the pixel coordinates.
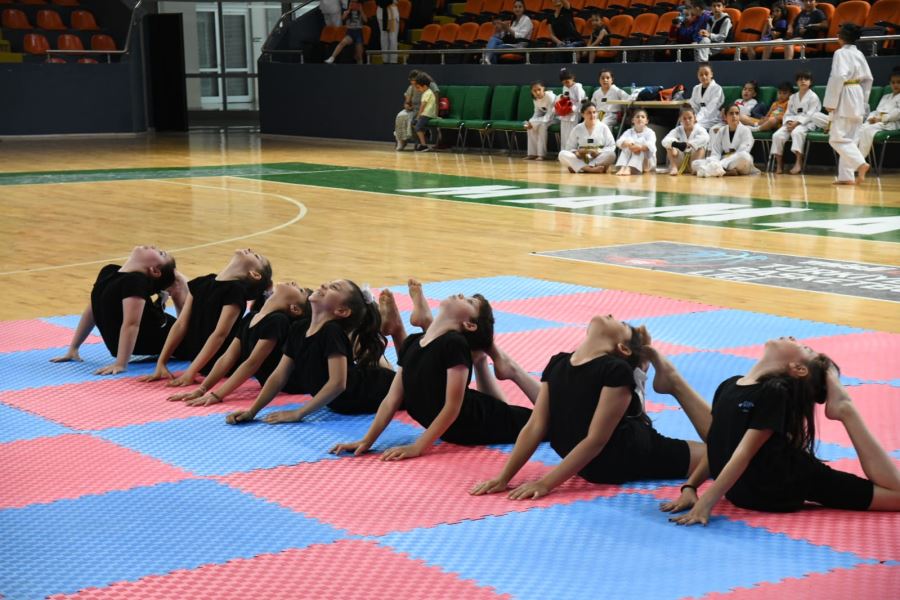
(388, 16)
(536, 126)
(610, 114)
(884, 118)
(591, 147)
(847, 101)
(707, 98)
(686, 143)
(802, 105)
(577, 95)
(637, 147)
(729, 149)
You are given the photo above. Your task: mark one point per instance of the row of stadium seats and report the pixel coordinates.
(39, 2)
(505, 108)
(82, 20)
(69, 28)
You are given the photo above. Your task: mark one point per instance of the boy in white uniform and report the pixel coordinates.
(591, 147)
(686, 143)
(575, 92)
(536, 127)
(707, 98)
(884, 118)
(847, 101)
(802, 105)
(729, 149)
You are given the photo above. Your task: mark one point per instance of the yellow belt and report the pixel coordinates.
(852, 82)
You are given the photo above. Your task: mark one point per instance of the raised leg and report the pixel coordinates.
(391, 323)
(669, 381)
(421, 313)
(505, 368)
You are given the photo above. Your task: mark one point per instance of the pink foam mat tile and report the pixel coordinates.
(580, 308)
(108, 403)
(35, 334)
(866, 534)
(879, 406)
(70, 466)
(343, 569)
(862, 582)
(533, 349)
(399, 496)
(872, 355)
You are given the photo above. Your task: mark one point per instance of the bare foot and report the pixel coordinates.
(673, 171)
(571, 170)
(624, 172)
(861, 173)
(421, 313)
(667, 379)
(538, 158)
(390, 314)
(837, 401)
(779, 171)
(842, 182)
(795, 170)
(503, 365)
(530, 157)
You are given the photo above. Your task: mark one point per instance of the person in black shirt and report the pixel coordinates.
(130, 322)
(211, 313)
(591, 409)
(256, 349)
(562, 25)
(434, 372)
(335, 357)
(762, 437)
(809, 24)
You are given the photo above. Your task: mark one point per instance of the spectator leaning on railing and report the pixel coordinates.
(810, 24)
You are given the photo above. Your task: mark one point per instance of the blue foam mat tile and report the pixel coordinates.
(69, 545)
(827, 451)
(598, 548)
(18, 425)
(70, 321)
(504, 322)
(728, 328)
(544, 453)
(33, 369)
(674, 424)
(498, 289)
(208, 446)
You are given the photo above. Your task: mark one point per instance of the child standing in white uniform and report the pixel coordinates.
(707, 98)
(591, 147)
(638, 147)
(802, 105)
(686, 143)
(536, 127)
(846, 99)
(575, 92)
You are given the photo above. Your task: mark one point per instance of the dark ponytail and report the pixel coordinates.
(363, 326)
(257, 290)
(166, 277)
(800, 395)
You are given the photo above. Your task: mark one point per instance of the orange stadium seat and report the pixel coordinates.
(84, 21)
(429, 37)
(447, 35)
(471, 10)
(35, 43)
(13, 18)
(852, 11)
(736, 17)
(593, 5)
(49, 19)
(466, 34)
(369, 9)
(485, 31)
(490, 9)
(506, 9)
(533, 7)
(617, 7)
(753, 20)
(101, 41)
(67, 41)
(664, 24)
(644, 26)
(884, 11)
(619, 30)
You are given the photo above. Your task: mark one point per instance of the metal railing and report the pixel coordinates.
(875, 41)
(279, 27)
(108, 53)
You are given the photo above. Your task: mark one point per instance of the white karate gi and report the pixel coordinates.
(541, 119)
(728, 151)
(698, 139)
(600, 138)
(568, 122)
(707, 103)
(889, 111)
(642, 161)
(847, 92)
(389, 37)
(611, 113)
(799, 110)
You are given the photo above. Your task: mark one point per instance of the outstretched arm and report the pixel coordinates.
(85, 326)
(688, 497)
(750, 444)
(389, 406)
(457, 378)
(201, 396)
(227, 318)
(132, 309)
(173, 340)
(274, 384)
(334, 387)
(531, 435)
(610, 410)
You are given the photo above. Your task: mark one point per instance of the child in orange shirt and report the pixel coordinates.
(773, 118)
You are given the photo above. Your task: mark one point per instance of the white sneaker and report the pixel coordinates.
(329, 60)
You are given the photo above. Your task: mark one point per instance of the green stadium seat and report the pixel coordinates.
(524, 111)
(503, 108)
(457, 96)
(732, 93)
(475, 109)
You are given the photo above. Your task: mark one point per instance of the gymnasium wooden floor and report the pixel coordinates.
(55, 236)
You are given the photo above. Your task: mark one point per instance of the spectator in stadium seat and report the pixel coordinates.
(331, 11)
(717, 31)
(810, 24)
(510, 34)
(562, 25)
(403, 124)
(697, 19)
(353, 21)
(388, 15)
(598, 35)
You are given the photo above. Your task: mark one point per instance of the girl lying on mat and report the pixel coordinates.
(432, 381)
(760, 445)
(256, 348)
(335, 356)
(129, 320)
(590, 407)
(209, 319)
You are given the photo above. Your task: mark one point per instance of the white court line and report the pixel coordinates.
(301, 212)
